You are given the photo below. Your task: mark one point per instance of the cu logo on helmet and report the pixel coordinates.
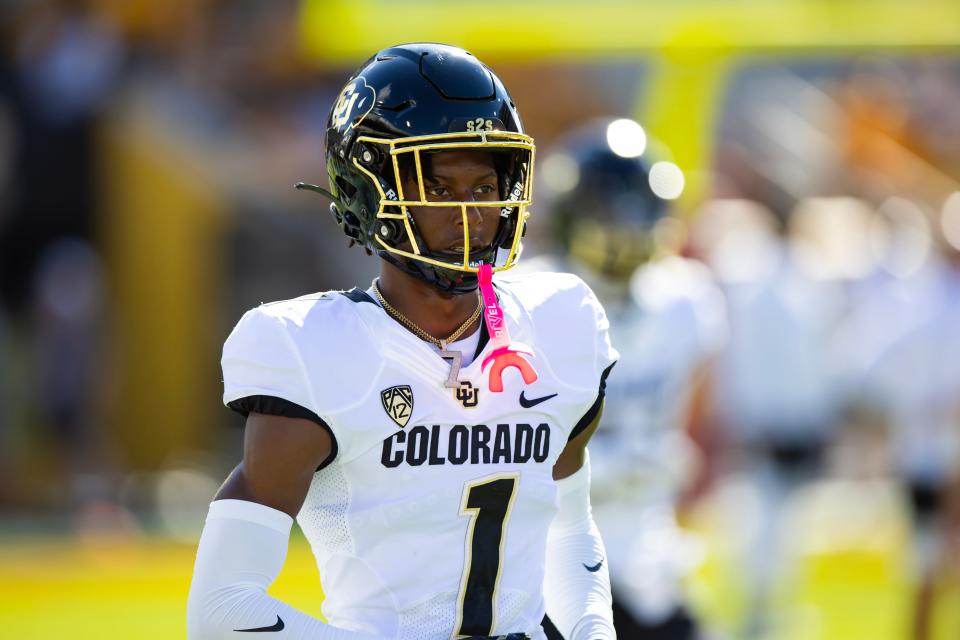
(355, 102)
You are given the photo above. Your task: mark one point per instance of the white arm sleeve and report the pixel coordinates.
(577, 583)
(241, 552)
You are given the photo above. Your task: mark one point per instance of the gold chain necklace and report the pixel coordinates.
(420, 333)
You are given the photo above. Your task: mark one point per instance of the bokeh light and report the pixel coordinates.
(626, 138)
(666, 180)
(950, 220)
(559, 173)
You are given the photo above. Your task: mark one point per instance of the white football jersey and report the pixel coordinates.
(431, 521)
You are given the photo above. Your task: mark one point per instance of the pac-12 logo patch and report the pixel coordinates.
(355, 102)
(398, 403)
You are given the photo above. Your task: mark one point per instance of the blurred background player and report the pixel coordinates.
(774, 401)
(610, 222)
(923, 409)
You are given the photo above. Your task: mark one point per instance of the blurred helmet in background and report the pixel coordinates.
(606, 196)
(403, 104)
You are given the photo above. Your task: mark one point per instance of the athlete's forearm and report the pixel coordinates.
(241, 552)
(577, 583)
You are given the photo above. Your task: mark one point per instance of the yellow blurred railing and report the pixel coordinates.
(693, 44)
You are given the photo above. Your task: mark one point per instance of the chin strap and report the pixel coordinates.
(505, 353)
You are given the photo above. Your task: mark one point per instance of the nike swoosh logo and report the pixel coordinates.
(595, 567)
(532, 402)
(278, 626)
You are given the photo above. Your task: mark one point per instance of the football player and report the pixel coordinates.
(428, 433)
(609, 219)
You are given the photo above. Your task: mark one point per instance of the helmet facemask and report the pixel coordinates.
(394, 234)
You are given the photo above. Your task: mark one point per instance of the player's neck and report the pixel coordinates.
(437, 313)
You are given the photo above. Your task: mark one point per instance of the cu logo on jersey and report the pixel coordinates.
(355, 102)
(398, 403)
(467, 394)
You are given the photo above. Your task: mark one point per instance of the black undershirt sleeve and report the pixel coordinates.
(594, 409)
(274, 406)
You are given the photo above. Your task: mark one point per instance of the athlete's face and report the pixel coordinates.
(456, 176)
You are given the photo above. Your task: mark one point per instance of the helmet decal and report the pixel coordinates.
(355, 102)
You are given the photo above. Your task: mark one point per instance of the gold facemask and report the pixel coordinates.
(394, 206)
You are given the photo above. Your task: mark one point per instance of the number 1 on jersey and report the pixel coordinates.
(487, 502)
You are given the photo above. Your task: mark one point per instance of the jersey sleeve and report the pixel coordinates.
(569, 327)
(605, 355)
(579, 328)
(260, 360)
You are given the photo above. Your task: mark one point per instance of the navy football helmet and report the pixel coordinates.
(403, 104)
(603, 199)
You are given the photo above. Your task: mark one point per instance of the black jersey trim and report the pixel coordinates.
(274, 406)
(357, 295)
(549, 629)
(594, 409)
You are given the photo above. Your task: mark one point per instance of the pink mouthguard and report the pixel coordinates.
(505, 353)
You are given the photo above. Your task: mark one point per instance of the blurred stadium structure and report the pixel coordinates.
(147, 155)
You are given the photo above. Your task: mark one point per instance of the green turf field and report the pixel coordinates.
(117, 588)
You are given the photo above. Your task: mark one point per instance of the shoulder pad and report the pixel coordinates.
(290, 348)
(568, 325)
(684, 290)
